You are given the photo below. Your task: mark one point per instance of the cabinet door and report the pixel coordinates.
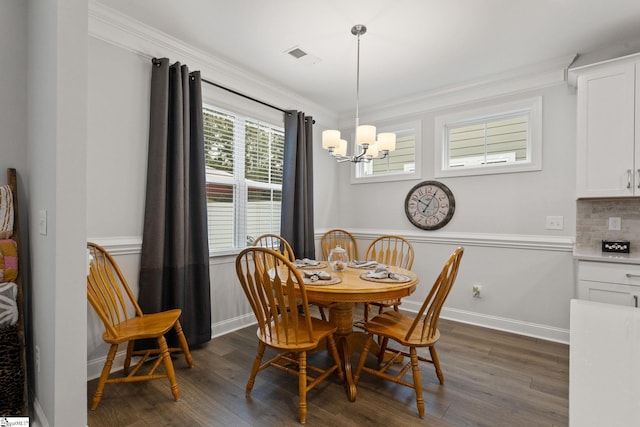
(610, 293)
(605, 132)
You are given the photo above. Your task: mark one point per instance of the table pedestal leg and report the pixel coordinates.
(341, 315)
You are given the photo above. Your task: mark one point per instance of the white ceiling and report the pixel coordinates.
(411, 46)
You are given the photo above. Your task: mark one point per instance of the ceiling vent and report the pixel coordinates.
(302, 56)
(297, 53)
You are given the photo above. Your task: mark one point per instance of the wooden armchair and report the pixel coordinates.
(109, 295)
(274, 296)
(412, 333)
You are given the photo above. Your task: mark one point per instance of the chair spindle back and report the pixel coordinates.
(435, 299)
(275, 295)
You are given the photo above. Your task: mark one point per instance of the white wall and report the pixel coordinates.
(56, 155)
(13, 85)
(522, 266)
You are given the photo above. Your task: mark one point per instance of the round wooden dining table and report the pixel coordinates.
(355, 286)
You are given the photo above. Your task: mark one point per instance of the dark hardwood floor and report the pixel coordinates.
(492, 378)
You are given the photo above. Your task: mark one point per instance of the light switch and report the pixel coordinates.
(42, 222)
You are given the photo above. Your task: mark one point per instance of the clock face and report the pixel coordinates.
(430, 205)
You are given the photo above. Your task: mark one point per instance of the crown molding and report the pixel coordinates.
(113, 27)
(536, 76)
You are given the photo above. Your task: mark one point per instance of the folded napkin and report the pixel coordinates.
(306, 262)
(382, 272)
(363, 264)
(317, 275)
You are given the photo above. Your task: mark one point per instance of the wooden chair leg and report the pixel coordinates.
(436, 363)
(417, 381)
(183, 344)
(333, 350)
(255, 368)
(302, 386)
(168, 366)
(383, 349)
(127, 359)
(106, 370)
(323, 315)
(363, 358)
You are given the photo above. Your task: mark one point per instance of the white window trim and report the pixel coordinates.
(531, 106)
(238, 182)
(401, 176)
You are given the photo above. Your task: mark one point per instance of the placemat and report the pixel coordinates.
(398, 278)
(302, 266)
(333, 281)
(363, 267)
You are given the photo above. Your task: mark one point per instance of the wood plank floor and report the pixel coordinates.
(492, 378)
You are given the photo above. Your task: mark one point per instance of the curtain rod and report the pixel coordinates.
(245, 96)
(266, 104)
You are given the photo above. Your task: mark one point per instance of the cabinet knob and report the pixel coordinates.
(635, 298)
(638, 179)
(628, 178)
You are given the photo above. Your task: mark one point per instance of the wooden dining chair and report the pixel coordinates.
(274, 295)
(110, 295)
(339, 237)
(277, 243)
(280, 245)
(389, 250)
(412, 333)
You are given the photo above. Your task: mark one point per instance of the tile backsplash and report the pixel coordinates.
(592, 222)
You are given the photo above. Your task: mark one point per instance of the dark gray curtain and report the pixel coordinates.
(296, 222)
(174, 266)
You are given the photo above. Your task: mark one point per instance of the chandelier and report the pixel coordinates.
(372, 146)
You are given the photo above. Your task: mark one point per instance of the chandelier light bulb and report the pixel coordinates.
(371, 148)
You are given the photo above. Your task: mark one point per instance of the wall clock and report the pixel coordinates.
(430, 205)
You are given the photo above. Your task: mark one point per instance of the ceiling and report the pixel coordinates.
(411, 46)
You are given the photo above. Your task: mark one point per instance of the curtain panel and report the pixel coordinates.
(174, 266)
(296, 220)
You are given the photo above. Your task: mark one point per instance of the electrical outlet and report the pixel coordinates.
(475, 290)
(555, 222)
(614, 223)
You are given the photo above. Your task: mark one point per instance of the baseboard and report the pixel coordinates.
(40, 419)
(233, 324)
(519, 327)
(94, 366)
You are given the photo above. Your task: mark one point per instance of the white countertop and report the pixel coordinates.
(599, 256)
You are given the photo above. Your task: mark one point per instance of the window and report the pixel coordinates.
(499, 139)
(401, 164)
(244, 159)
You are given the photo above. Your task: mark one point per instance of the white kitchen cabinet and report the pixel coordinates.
(610, 283)
(608, 129)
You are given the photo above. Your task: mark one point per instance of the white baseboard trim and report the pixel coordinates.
(40, 418)
(94, 366)
(534, 330)
(230, 325)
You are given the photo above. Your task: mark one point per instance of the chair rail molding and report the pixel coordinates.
(510, 241)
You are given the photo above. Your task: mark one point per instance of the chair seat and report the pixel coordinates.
(147, 326)
(394, 324)
(321, 329)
